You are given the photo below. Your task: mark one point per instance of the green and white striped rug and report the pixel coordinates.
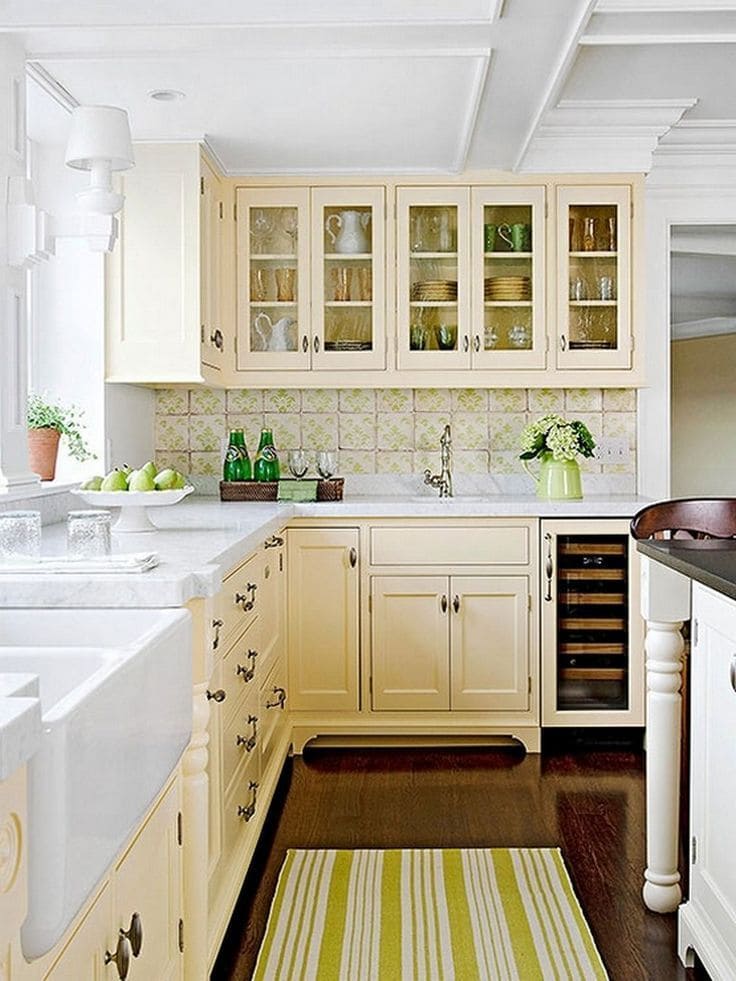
(492, 914)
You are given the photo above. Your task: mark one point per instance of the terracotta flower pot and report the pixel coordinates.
(43, 447)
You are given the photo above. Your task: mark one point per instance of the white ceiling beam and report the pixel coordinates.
(710, 327)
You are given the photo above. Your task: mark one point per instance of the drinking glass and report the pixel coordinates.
(258, 284)
(87, 534)
(285, 282)
(298, 463)
(590, 227)
(341, 278)
(365, 283)
(20, 534)
(326, 463)
(290, 224)
(261, 228)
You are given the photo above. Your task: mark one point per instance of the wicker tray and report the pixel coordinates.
(253, 490)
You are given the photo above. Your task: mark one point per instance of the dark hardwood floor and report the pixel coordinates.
(589, 803)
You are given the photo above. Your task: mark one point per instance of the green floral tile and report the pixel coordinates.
(432, 400)
(357, 400)
(319, 400)
(619, 399)
(544, 400)
(583, 400)
(428, 428)
(206, 433)
(390, 462)
(395, 399)
(206, 465)
(175, 459)
(206, 401)
(356, 463)
(172, 432)
(251, 424)
(245, 401)
(504, 430)
(621, 424)
(470, 461)
(357, 430)
(319, 430)
(507, 399)
(286, 428)
(282, 400)
(172, 401)
(507, 462)
(470, 430)
(395, 431)
(626, 467)
(469, 399)
(589, 465)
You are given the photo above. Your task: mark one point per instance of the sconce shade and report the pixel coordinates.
(99, 133)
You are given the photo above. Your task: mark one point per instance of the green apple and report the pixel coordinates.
(166, 480)
(93, 484)
(181, 480)
(114, 481)
(125, 469)
(141, 480)
(150, 468)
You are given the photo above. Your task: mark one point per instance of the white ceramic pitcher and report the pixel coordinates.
(351, 235)
(274, 337)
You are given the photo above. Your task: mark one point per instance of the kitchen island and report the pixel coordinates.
(692, 580)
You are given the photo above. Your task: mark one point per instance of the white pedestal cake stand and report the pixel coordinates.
(133, 505)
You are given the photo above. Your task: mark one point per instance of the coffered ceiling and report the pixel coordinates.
(415, 86)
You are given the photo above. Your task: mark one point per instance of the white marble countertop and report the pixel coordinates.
(201, 538)
(20, 721)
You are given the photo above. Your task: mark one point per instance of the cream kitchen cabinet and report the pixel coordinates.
(456, 642)
(707, 921)
(311, 270)
(136, 917)
(166, 316)
(323, 644)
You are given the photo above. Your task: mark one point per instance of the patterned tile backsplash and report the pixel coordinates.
(389, 430)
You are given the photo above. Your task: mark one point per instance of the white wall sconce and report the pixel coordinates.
(99, 141)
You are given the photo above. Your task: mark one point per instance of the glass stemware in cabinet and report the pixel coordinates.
(508, 276)
(347, 279)
(262, 224)
(290, 224)
(593, 270)
(433, 286)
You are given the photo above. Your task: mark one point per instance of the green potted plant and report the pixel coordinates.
(557, 442)
(47, 422)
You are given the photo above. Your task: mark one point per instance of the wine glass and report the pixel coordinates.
(298, 463)
(326, 463)
(290, 224)
(261, 228)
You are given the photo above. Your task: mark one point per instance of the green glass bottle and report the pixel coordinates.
(266, 465)
(237, 461)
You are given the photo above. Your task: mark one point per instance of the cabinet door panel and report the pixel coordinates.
(83, 958)
(323, 619)
(410, 657)
(148, 882)
(212, 339)
(490, 642)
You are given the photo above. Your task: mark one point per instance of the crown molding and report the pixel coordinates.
(46, 81)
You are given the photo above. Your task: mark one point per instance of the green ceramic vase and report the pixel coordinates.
(557, 479)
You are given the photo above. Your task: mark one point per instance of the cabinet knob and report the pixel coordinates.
(216, 624)
(456, 604)
(316, 344)
(247, 600)
(249, 810)
(305, 343)
(466, 343)
(216, 696)
(273, 542)
(134, 933)
(121, 956)
(217, 339)
(563, 342)
(443, 603)
(353, 557)
(476, 343)
(280, 702)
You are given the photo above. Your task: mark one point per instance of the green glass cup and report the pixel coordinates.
(446, 337)
(489, 237)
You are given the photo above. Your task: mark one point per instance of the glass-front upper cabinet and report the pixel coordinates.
(348, 278)
(433, 277)
(508, 277)
(593, 289)
(273, 278)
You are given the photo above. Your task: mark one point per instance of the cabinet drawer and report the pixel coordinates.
(238, 600)
(272, 712)
(237, 823)
(241, 737)
(240, 668)
(429, 545)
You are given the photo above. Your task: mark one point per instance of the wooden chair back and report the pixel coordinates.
(704, 517)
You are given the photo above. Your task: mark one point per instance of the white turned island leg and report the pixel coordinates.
(665, 604)
(195, 806)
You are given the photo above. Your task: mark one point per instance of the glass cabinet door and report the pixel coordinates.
(508, 277)
(594, 258)
(433, 309)
(348, 265)
(273, 280)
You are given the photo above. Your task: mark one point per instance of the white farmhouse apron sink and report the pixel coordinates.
(116, 704)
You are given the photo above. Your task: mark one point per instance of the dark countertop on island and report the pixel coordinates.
(709, 561)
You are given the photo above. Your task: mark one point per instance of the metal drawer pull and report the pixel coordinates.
(305, 343)
(249, 810)
(275, 541)
(216, 696)
(466, 343)
(247, 600)
(248, 742)
(216, 624)
(548, 568)
(456, 604)
(476, 343)
(134, 933)
(247, 672)
(733, 672)
(563, 342)
(121, 957)
(316, 344)
(353, 556)
(443, 604)
(280, 702)
(217, 338)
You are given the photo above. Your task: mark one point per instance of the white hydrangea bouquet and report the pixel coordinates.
(557, 442)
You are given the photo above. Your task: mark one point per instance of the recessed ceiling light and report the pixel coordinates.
(166, 95)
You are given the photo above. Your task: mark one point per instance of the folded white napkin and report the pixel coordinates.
(102, 564)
